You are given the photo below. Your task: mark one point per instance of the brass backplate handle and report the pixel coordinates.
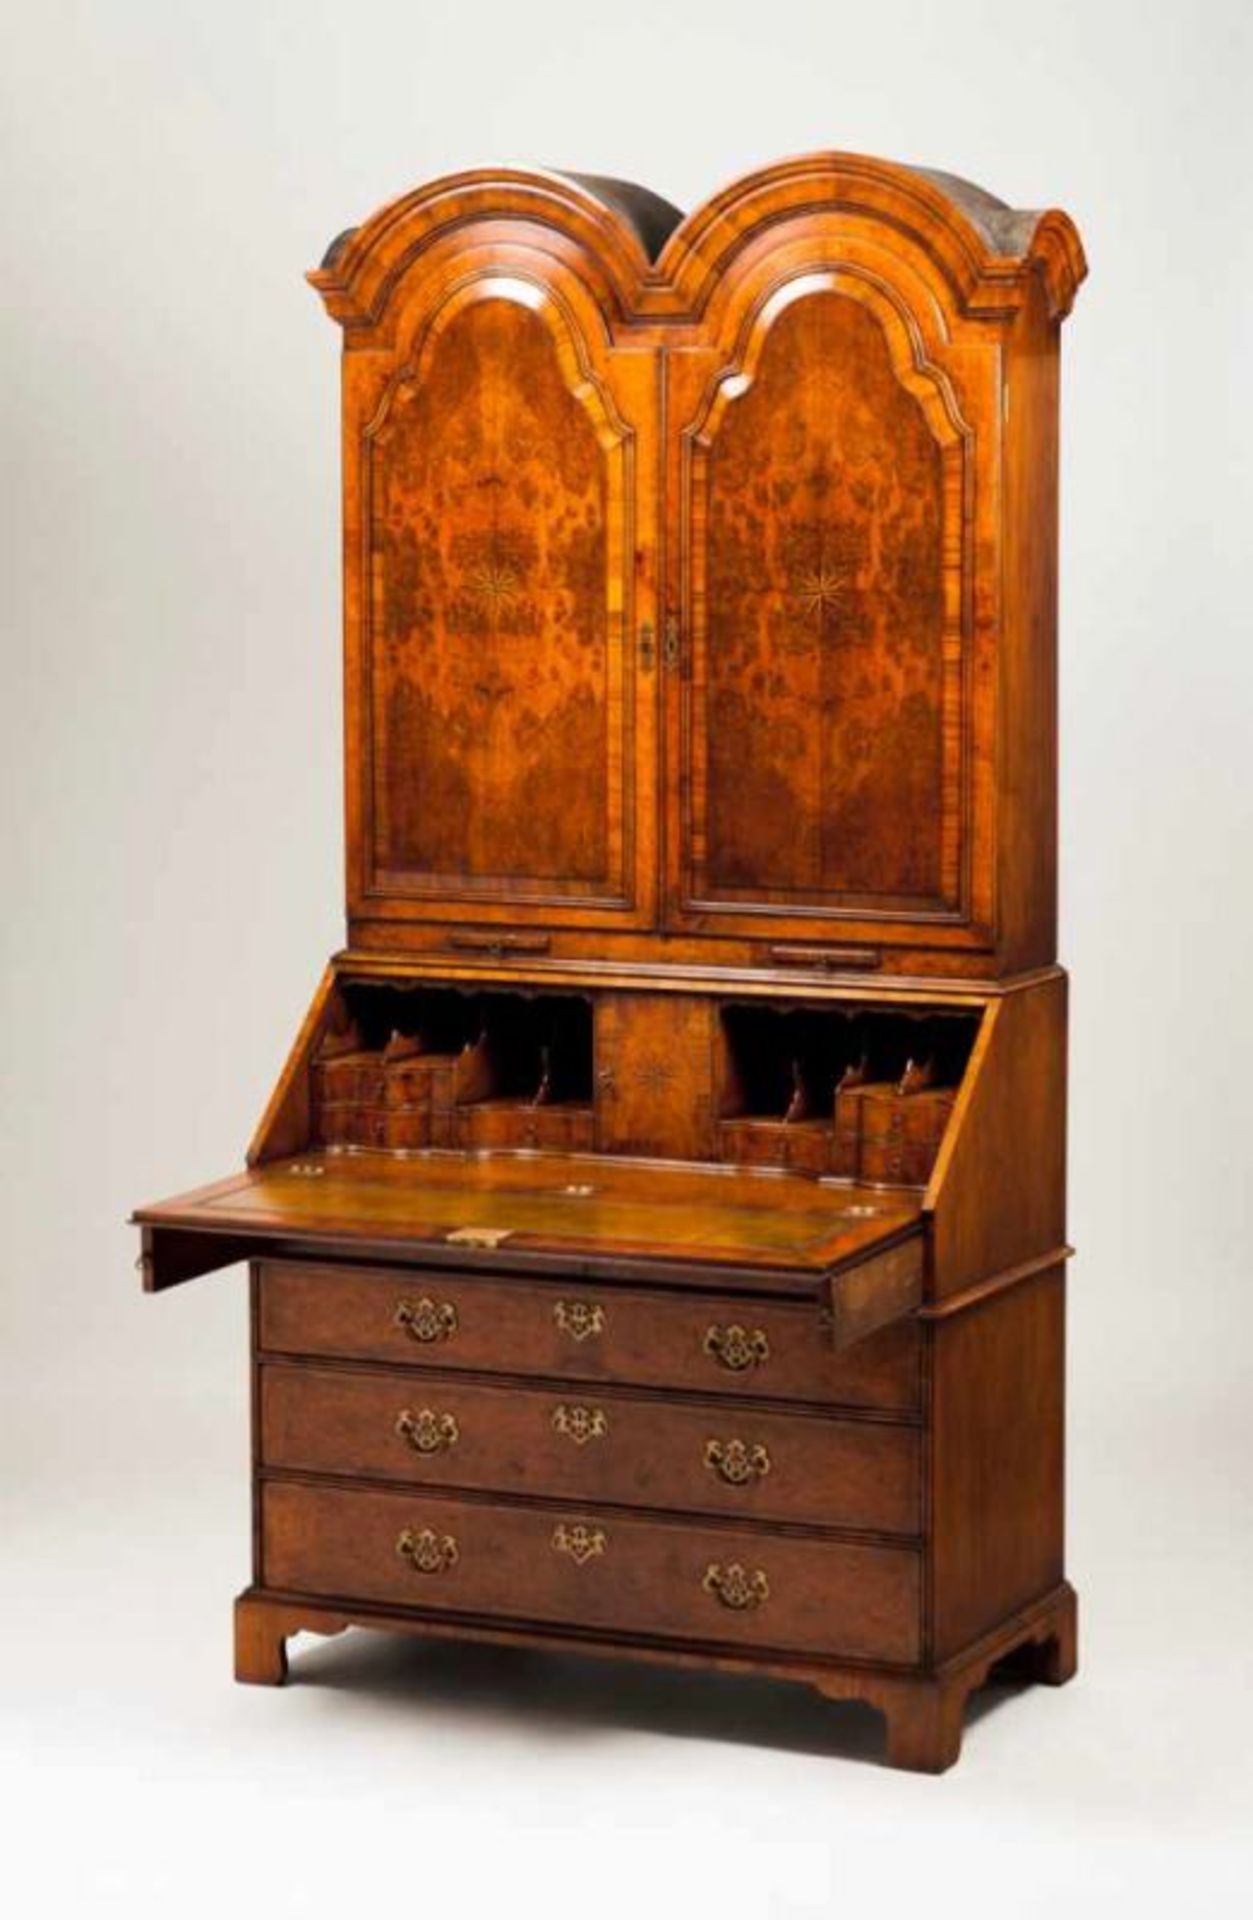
(426, 1551)
(580, 1424)
(578, 1319)
(737, 1348)
(427, 1431)
(737, 1587)
(737, 1461)
(427, 1320)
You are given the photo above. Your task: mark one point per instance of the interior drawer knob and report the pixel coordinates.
(427, 1431)
(737, 1587)
(737, 1461)
(737, 1348)
(578, 1319)
(427, 1320)
(581, 1543)
(580, 1424)
(427, 1552)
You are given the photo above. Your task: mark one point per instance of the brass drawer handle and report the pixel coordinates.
(580, 1424)
(427, 1552)
(427, 1431)
(737, 1587)
(736, 1461)
(427, 1320)
(580, 1321)
(737, 1348)
(580, 1542)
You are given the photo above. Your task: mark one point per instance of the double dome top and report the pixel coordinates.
(660, 262)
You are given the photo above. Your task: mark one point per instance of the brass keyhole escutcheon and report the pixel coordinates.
(737, 1348)
(427, 1551)
(580, 1320)
(427, 1431)
(737, 1461)
(580, 1424)
(581, 1543)
(427, 1321)
(740, 1588)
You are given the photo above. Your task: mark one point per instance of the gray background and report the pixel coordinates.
(171, 884)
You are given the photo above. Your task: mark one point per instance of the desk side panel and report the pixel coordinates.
(997, 1197)
(997, 1390)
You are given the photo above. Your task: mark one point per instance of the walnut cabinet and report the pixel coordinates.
(657, 1231)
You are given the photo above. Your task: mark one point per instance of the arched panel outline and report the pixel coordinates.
(538, 296)
(423, 329)
(928, 385)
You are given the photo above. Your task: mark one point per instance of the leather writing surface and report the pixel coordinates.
(559, 1202)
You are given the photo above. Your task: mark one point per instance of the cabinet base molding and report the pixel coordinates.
(924, 1712)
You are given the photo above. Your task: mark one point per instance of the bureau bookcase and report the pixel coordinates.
(657, 1232)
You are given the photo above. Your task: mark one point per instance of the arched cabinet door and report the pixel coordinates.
(499, 555)
(835, 537)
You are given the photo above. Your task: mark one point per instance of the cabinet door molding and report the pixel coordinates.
(832, 473)
(500, 531)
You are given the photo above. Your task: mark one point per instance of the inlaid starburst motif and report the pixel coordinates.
(654, 1074)
(496, 584)
(821, 590)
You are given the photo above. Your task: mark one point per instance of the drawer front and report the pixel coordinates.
(593, 1569)
(592, 1446)
(706, 1343)
(555, 1129)
(804, 1146)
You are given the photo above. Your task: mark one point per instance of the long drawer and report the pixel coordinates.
(592, 1569)
(807, 1468)
(635, 1336)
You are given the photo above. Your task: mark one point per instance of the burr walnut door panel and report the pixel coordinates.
(825, 712)
(502, 739)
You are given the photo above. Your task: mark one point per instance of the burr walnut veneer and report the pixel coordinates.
(657, 1232)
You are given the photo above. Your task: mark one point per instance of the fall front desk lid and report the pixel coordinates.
(556, 1204)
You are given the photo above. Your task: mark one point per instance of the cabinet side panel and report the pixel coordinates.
(1027, 751)
(997, 1385)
